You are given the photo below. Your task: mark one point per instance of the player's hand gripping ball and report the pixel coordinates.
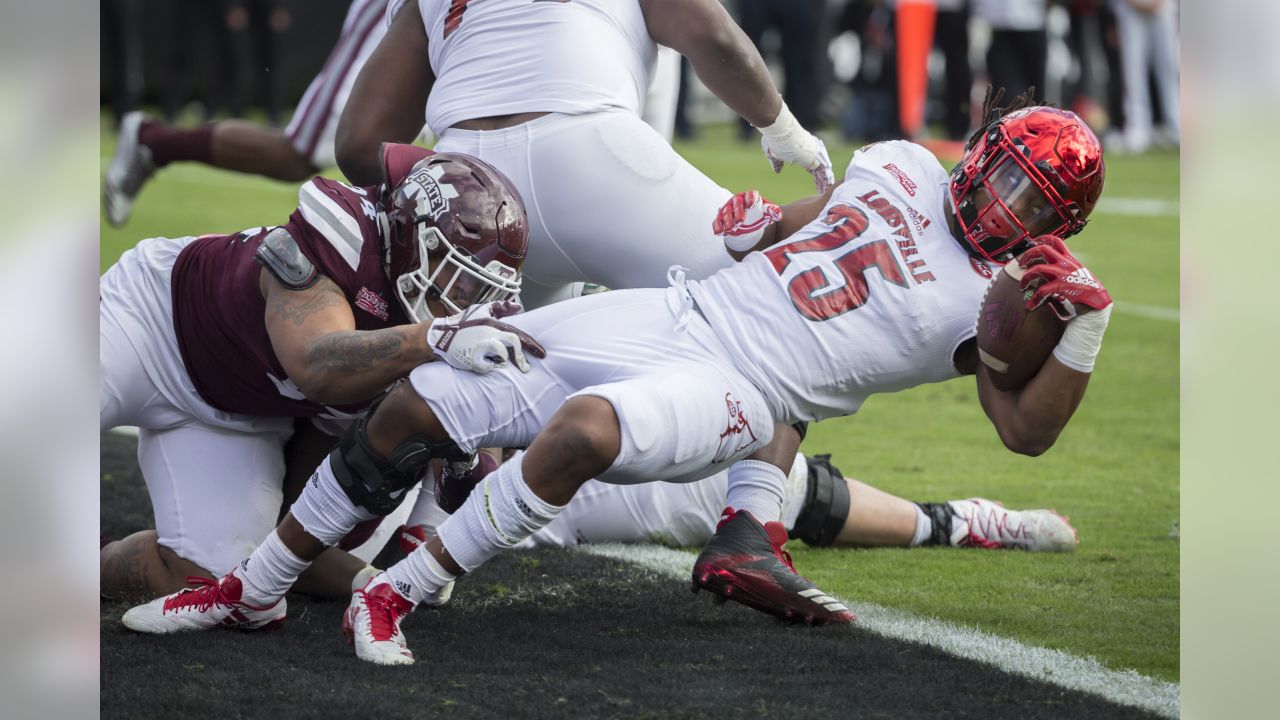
(1015, 338)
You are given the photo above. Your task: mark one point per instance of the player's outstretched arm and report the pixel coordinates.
(313, 332)
(720, 53)
(730, 66)
(388, 99)
(1029, 420)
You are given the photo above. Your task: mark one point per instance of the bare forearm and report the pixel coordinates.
(352, 366)
(388, 99)
(1029, 420)
(720, 53)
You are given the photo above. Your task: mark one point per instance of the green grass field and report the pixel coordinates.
(1114, 471)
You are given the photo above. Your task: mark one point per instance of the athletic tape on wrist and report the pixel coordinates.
(1081, 341)
(785, 131)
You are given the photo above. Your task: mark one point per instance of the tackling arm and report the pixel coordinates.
(388, 99)
(720, 53)
(313, 334)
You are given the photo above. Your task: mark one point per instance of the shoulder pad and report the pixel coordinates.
(280, 254)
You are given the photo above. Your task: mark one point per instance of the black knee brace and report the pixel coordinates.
(826, 504)
(376, 484)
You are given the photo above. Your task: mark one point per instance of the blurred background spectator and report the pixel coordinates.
(1019, 44)
(836, 61)
(952, 40)
(871, 113)
(797, 34)
(1148, 41)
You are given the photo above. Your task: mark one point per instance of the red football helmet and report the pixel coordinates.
(457, 235)
(1035, 171)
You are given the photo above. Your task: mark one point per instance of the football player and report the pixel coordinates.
(820, 506)
(213, 345)
(304, 147)
(293, 155)
(872, 288)
(550, 93)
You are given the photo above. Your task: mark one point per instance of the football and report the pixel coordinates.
(1014, 342)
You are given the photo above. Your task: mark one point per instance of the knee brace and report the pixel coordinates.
(377, 484)
(826, 504)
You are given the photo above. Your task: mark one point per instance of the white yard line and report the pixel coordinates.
(1154, 312)
(1056, 667)
(1142, 207)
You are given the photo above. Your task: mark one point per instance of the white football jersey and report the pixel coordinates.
(873, 296)
(500, 57)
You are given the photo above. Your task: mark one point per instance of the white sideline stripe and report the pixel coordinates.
(1124, 687)
(1154, 312)
(1143, 207)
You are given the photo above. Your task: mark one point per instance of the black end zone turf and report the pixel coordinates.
(548, 634)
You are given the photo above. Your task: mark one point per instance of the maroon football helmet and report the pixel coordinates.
(1035, 171)
(457, 235)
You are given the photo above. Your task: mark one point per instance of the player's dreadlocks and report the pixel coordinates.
(992, 111)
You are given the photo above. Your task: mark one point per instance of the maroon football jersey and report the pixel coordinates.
(219, 311)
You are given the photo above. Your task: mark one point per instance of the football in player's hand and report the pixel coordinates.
(1014, 342)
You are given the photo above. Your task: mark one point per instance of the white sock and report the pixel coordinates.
(498, 514)
(924, 526)
(756, 487)
(324, 510)
(418, 575)
(426, 511)
(796, 489)
(269, 572)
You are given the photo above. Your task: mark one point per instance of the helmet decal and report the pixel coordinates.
(424, 186)
(457, 235)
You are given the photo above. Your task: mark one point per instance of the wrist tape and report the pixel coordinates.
(785, 132)
(1080, 343)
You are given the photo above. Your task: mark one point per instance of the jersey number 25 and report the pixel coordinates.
(811, 292)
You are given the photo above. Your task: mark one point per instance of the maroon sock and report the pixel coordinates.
(168, 144)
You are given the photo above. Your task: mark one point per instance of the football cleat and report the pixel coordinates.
(372, 624)
(744, 561)
(130, 168)
(210, 604)
(413, 537)
(981, 523)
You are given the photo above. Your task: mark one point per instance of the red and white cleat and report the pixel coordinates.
(372, 623)
(982, 523)
(210, 604)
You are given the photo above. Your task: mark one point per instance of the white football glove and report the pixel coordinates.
(786, 141)
(742, 221)
(476, 340)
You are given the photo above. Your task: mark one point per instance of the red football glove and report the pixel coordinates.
(741, 221)
(1053, 275)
